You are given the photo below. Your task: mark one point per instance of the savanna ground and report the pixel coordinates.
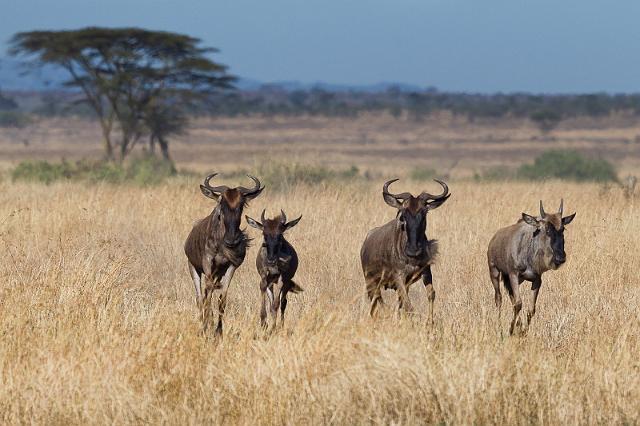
(99, 323)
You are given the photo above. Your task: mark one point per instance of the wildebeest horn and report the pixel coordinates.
(262, 219)
(561, 205)
(283, 217)
(385, 191)
(217, 189)
(426, 196)
(247, 191)
(542, 213)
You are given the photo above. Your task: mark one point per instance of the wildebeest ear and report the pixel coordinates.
(392, 201)
(567, 219)
(437, 203)
(293, 223)
(530, 220)
(209, 193)
(254, 223)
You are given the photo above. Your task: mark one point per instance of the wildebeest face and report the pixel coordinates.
(273, 234)
(232, 202)
(550, 233)
(414, 225)
(231, 207)
(412, 216)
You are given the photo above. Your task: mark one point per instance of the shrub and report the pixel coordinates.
(422, 173)
(150, 169)
(140, 171)
(14, 119)
(280, 175)
(568, 164)
(546, 120)
(42, 171)
(495, 173)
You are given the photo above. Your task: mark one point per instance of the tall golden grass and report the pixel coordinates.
(99, 323)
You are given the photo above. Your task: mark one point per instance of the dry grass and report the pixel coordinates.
(99, 325)
(452, 145)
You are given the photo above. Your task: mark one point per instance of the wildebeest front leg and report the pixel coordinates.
(535, 288)
(222, 300)
(427, 280)
(403, 296)
(275, 301)
(265, 303)
(283, 306)
(515, 298)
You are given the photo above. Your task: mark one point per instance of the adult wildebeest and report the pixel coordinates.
(277, 262)
(524, 251)
(397, 254)
(216, 246)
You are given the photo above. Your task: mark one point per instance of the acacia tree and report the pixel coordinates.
(127, 73)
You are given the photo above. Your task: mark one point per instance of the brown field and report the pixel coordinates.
(451, 145)
(99, 324)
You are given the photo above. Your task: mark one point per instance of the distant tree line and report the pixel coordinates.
(269, 101)
(544, 108)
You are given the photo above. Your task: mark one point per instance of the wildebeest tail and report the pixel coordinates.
(295, 288)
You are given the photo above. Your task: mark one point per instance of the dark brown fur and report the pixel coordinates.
(276, 274)
(216, 247)
(397, 254)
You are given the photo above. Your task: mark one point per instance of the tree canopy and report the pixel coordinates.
(129, 76)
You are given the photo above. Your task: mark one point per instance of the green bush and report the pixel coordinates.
(141, 171)
(279, 175)
(570, 165)
(42, 171)
(149, 170)
(495, 173)
(422, 173)
(14, 119)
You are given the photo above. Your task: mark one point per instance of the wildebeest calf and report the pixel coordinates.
(524, 251)
(277, 262)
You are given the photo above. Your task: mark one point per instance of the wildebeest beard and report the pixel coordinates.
(233, 241)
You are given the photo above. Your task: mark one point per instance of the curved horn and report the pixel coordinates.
(218, 189)
(426, 196)
(283, 217)
(262, 219)
(249, 191)
(385, 191)
(542, 213)
(561, 205)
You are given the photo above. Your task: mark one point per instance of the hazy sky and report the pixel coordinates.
(470, 45)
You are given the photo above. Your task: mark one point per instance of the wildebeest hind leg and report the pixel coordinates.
(403, 298)
(374, 295)
(197, 283)
(517, 301)
(427, 280)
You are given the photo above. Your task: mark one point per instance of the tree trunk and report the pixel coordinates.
(152, 144)
(164, 147)
(106, 143)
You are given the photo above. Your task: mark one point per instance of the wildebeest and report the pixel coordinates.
(397, 254)
(216, 246)
(277, 262)
(524, 251)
